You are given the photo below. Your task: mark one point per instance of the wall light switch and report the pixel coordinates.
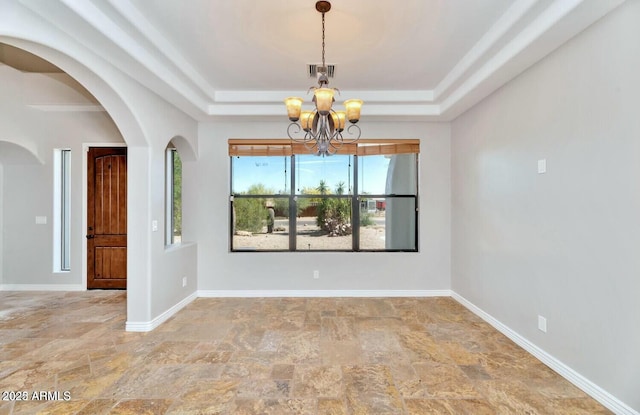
(542, 324)
(154, 225)
(41, 220)
(542, 166)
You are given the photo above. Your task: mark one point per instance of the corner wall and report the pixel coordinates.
(562, 244)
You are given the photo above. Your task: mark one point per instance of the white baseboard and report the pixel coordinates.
(321, 293)
(599, 394)
(143, 326)
(42, 287)
(593, 390)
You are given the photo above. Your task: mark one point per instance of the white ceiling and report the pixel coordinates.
(255, 45)
(424, 59)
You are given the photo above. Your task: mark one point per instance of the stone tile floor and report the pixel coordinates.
(270, 356)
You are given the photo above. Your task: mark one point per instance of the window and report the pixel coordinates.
(365, 198)
(173, 215)
(62, 210)
(388, 191)
(324, 192)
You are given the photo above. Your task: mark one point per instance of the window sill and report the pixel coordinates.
(179, 246)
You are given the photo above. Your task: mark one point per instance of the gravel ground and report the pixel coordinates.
(310, 238)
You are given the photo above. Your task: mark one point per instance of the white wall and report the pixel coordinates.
(563, 244)
(218, 269)
(170, 264)
(27, 184)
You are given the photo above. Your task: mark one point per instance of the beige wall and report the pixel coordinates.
(220, 270)
(563, 244)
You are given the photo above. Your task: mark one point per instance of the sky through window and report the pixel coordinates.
(274, 172)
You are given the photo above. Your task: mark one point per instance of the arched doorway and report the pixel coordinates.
(116, 120)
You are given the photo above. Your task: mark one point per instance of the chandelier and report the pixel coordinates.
(323, 127)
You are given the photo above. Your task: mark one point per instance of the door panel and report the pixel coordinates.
(111, 262)
(107, 218)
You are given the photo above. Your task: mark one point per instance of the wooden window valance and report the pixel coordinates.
(286, 147)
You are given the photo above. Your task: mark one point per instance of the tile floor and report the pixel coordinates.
(270, 356)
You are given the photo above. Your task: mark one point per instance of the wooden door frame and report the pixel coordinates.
(85, 208)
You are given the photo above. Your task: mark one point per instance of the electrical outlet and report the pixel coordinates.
(184, 281)
(542, 324)
(542, 166)
(316, 274)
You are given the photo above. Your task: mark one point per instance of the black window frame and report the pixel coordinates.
(354, 196)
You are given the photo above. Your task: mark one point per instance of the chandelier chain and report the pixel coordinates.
(323, 65)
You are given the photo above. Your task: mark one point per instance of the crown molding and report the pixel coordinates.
(412, 96)
(551, 16)
(527, 32)
(162, 45)
(161, 60)
(488, 40)
(275, 110)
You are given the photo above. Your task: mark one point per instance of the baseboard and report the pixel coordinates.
(321, 293)
(143, 326)
(42, 287)
(593, 390)
(599, 394)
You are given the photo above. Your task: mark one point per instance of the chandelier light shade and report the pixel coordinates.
(306, 119)
(338, 119)
(353, 109)
(294, 106)
(323, 97)
(320, 130)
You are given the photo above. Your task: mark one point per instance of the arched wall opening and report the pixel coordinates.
(187, 152)
(179, 163)
(16, 151)
(108, 90)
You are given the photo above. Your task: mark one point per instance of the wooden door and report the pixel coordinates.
(107, 218)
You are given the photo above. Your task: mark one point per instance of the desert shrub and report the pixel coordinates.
(334, 213)
(365, 219)
(281, 207)
(251, 213)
